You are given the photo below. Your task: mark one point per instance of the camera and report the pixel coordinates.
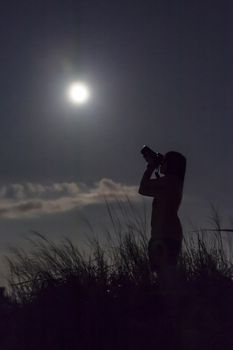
(149, 154)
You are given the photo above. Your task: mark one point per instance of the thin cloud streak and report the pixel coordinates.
(33, 200)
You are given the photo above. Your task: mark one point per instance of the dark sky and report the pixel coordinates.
(160, 73)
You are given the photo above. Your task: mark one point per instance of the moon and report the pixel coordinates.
(78, 93)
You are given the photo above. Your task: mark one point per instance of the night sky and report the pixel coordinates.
(160, 73)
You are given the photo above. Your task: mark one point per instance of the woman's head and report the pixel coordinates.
(174, 164)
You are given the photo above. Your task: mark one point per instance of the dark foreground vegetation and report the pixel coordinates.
(61, 299)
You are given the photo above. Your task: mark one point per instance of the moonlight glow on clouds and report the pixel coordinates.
(33, 200)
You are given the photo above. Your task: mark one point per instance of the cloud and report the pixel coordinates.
(33, 199)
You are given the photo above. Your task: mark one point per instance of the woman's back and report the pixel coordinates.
(164, 219)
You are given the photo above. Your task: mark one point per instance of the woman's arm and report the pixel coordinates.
(151, 187)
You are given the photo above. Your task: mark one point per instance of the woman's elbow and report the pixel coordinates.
(140, 191)
(143, 191)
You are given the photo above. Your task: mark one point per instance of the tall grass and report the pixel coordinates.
(111, 287)
(121, 256)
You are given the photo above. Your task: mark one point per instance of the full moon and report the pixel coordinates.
(78, 93)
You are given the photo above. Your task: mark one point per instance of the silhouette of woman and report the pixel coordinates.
(166, 230)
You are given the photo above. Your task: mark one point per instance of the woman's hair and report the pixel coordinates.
(176, 164)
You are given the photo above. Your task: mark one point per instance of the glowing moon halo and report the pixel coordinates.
(78, 93)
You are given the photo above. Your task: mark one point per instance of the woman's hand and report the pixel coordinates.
(152, 163)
